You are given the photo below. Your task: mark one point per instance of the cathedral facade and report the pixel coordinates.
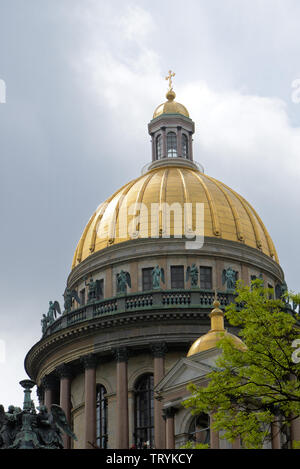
(151, 261)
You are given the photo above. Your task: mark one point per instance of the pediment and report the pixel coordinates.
(186, 370)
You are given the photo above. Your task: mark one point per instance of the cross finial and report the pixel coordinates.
(169, 77)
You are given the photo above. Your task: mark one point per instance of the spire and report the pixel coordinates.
(216, 316)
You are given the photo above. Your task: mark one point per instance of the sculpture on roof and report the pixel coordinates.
(158, 275)
(94, 289)
(69, 295)
(123, 279)
(192, 273)
(49, 318)
(229, 277)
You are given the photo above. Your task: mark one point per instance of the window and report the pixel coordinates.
(185, 147)
(144, 412)
(147, 279)
(101, 417)
(82, 297)
(199, 431)
(158, 147)
(177, 276)
(206, 278)
(172, 145)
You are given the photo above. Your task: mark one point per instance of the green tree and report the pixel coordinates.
(252, 390)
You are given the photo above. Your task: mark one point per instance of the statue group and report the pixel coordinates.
(29, 429)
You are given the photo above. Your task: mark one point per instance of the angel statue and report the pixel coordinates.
(68, 297)
(193, 273)
(229, 276)
(27, 429)
(123, 279)
(158, 274)
(54, 310)
(50, 426)
(94, 289)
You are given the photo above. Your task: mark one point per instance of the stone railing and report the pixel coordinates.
(194, 299)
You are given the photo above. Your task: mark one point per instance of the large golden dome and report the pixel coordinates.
(227, 215)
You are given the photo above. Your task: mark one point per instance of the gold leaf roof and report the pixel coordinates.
(227, 215)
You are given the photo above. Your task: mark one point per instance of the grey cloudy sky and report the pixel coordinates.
(82, 80)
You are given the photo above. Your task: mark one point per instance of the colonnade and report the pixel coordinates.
(164, 419)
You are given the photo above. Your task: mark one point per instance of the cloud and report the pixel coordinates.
(234, 128)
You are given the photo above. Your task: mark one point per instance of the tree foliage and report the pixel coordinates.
(253, 390)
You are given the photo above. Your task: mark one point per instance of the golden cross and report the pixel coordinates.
(169, 77)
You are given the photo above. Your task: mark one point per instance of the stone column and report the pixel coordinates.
(191, 146)
(121, 356)
(89, 363)
(275, 434)
(295, 430)
(169, 416)
(49, 384)
(153, 141)
(214, 436)
(179, 141)
(159, 351)
(164, 142)
(236, 444)
(65, 376)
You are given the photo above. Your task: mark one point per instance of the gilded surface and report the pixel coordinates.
(227, 215)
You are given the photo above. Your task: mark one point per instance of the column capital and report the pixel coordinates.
(89, 361)
(121, 354)
(49, 382)
(169, 412)
(64, 371)
(159, 349)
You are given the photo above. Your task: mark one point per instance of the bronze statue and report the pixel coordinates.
(158, 274)
(68, 297)
(49, 318)
(229, 277)
(123, 279)
(193, 273)
(94, 290)
(54, 310)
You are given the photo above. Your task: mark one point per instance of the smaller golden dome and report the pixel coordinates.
(216, 333)
(171, 106)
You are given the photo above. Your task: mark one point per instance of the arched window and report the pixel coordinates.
(199, 431)
(144, 412)
(172, 145)
(158, 147)
(185, 146)
(101, 417)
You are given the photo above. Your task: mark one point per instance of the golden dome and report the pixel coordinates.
(171, 106)
(227, 215)
(216, 333)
